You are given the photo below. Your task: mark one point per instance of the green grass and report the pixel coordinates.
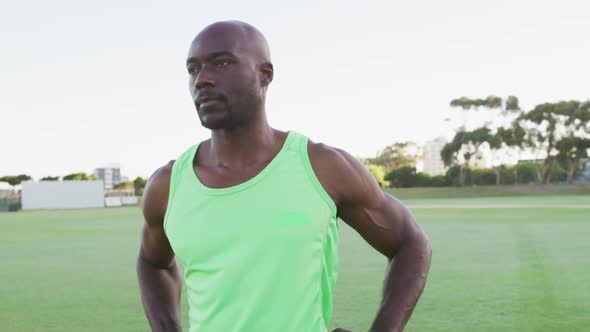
(490, 191)
(504, 201)
(493, 270)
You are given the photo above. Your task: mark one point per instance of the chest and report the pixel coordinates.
(278, 221)
(221, 177)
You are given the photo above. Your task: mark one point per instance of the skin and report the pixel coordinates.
(229, 71)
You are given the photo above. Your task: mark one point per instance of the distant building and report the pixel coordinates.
(433, 163)
(110, 175)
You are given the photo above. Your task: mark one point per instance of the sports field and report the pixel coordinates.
(496, 267)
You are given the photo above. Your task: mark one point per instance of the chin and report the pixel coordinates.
(213, 126)
(224, 119)
(216, 122)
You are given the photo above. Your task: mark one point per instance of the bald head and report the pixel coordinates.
(243, 36)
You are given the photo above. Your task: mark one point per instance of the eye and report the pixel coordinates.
(193, 69)
(221, 63)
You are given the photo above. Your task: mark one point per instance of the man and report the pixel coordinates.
(251, 212)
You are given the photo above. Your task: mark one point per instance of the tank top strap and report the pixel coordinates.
(298, 142)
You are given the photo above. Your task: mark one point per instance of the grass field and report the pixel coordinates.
(494, 269)
(490, 191)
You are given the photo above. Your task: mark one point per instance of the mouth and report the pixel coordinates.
(206, 102)
(207, 99)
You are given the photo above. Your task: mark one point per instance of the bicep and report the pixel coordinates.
(384, 224)
(382, 220)
(155, 247)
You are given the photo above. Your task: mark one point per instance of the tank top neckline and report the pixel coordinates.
(246, 184)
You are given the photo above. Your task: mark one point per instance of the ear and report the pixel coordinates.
(267, 71)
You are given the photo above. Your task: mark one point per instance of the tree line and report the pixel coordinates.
(557, 135)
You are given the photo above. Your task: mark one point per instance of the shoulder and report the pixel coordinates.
(155, 197)
(343, 176)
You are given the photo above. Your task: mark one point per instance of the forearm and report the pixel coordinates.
(160, 294)
(405, 279)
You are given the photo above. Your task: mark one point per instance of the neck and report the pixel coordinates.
(245, 144)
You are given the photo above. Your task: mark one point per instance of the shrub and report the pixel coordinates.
(423, 180)
(403, 177)
(482, 176)
(508, 174)
(558, 173)
(438, 181)
(527, 173)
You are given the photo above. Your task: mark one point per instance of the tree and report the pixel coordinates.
(571, 151)
(499, 149)
(15, 180)
(546, 124)
(512, 104)
(449, 155)
(463, 147)
(378, 172)
(513, 139)
(50, 178)
(397, 155)
(490, 102)
(79, 177)
(124, 185)
(474, 104)
(138, 185)
(463, 102)
(495, 143)
(508, 111)
(574, 145)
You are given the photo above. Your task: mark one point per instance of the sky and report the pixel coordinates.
(85, 84)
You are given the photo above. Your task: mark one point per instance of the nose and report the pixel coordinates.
(204, 78)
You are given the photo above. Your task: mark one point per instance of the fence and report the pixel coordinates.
(114, 201)
(11, 200)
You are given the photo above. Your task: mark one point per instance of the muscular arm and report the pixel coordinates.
(385, 224)
(159, 279)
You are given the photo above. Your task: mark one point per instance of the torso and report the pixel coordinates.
(274, 203)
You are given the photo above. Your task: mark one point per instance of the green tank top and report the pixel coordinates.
(259, 256)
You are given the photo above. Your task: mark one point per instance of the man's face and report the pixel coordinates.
(223, 79)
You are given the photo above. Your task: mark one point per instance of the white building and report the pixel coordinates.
(433, 163)
(110, 175)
